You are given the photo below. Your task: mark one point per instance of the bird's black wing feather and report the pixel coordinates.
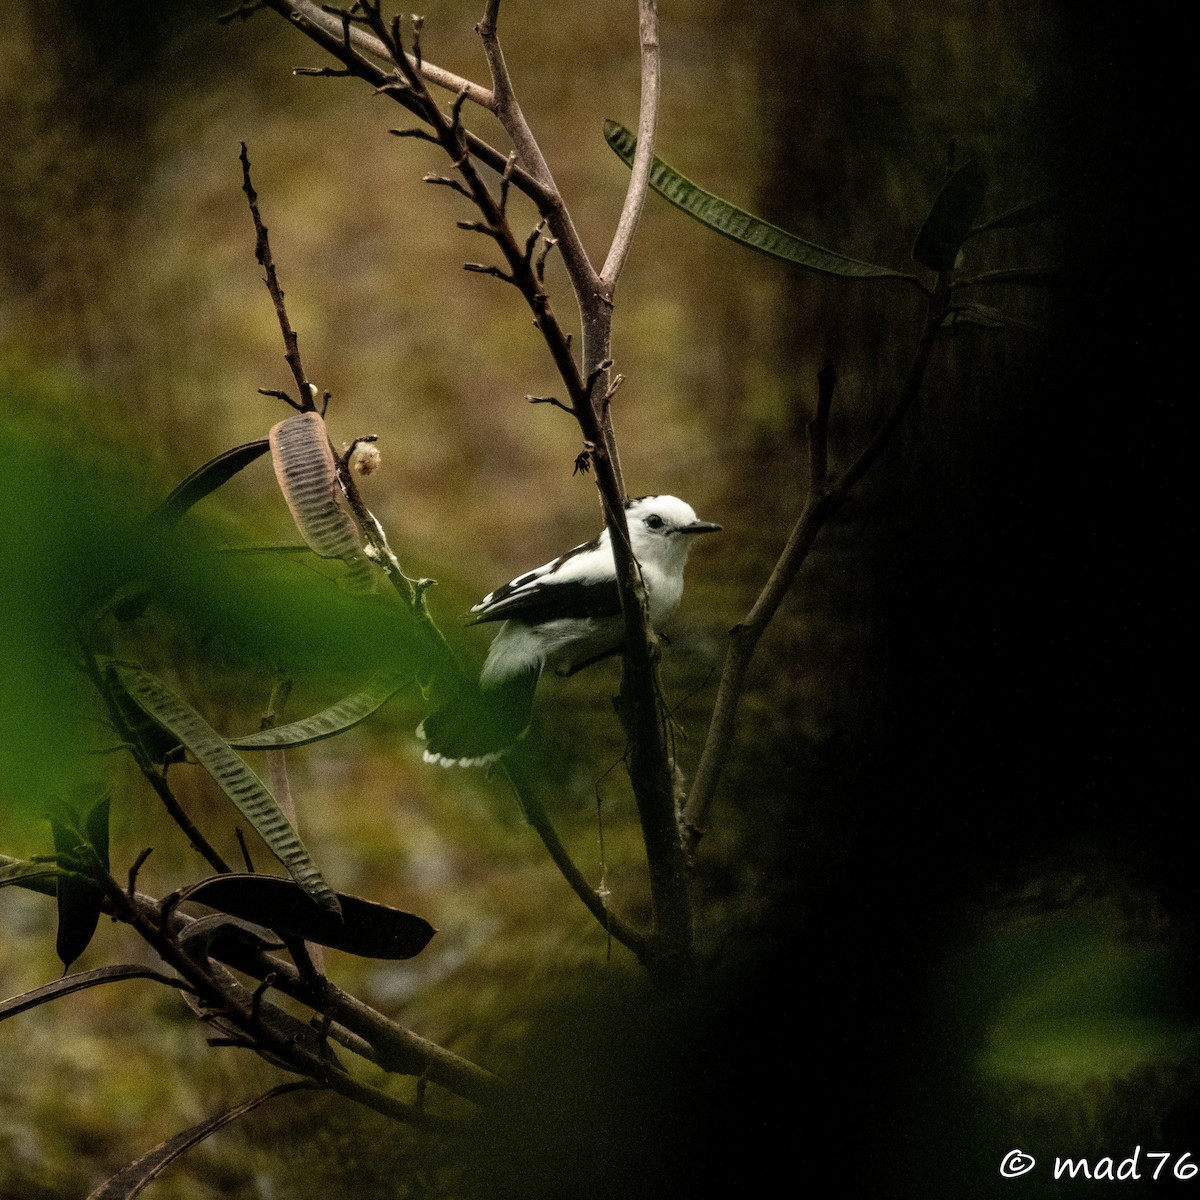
(551, 601)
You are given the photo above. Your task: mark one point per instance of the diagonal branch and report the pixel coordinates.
(825, 496)
(508, 111)
(303, 11)
(323, 29)
(537, 816)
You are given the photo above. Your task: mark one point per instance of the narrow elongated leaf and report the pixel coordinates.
(207, 479)
(197, 937)
(130, 1180)
(79, 906)
(79, 899)
(1037, 209)
(945, 229)
(329, 722)
(158, 744)
(232, 775)
(740, 226)
(367, 929)
(1038, 276)
(986, 317)
(36, 876)
(77, 983)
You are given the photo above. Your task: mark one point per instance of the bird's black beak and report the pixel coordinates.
(699, 527)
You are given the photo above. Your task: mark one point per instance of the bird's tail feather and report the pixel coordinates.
(476, 728)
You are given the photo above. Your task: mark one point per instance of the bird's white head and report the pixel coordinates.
(661, 529)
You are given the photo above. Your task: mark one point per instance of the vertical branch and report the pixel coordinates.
(262, 252)
(643, 159)
(670, 944)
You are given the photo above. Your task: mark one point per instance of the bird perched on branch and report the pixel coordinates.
(564, 616)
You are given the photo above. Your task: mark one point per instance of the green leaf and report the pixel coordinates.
(36, 876)
(79, 899)
(130, 1180)
(949, 221)
(77, 983)
(207, 479)
(367, 929)
(155, 742)
(329, 722)
(740, 226)
(232, 775)
(1037, 209)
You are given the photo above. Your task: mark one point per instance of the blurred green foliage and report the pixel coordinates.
(134, 334)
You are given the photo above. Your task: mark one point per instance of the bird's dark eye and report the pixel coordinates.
(654, 521)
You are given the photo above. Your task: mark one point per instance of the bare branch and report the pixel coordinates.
(423, 134)
(539, 265)
(281, 396)
(506, 179)
(508, 112)
(591, 897)
(532, 240)
(262, 252)
(551, 400)
(643, 159)
(825, 496)
(418, 23)
(446, 181)
(484, 269)
(366, 43)
(357, 55)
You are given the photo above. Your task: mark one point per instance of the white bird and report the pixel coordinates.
(563, 616)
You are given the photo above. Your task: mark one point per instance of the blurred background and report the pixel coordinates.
(946, 901)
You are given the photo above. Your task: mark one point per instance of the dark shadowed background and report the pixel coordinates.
(949, 896)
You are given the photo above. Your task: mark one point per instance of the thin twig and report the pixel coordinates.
(370, 44)
(262, 252)
(643, 158)
(242, 13)
(825, 496)
(593, 900)
(326, 31)
(818, 430)
(508, 111)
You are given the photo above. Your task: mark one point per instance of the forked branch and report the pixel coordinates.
(588, 390)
